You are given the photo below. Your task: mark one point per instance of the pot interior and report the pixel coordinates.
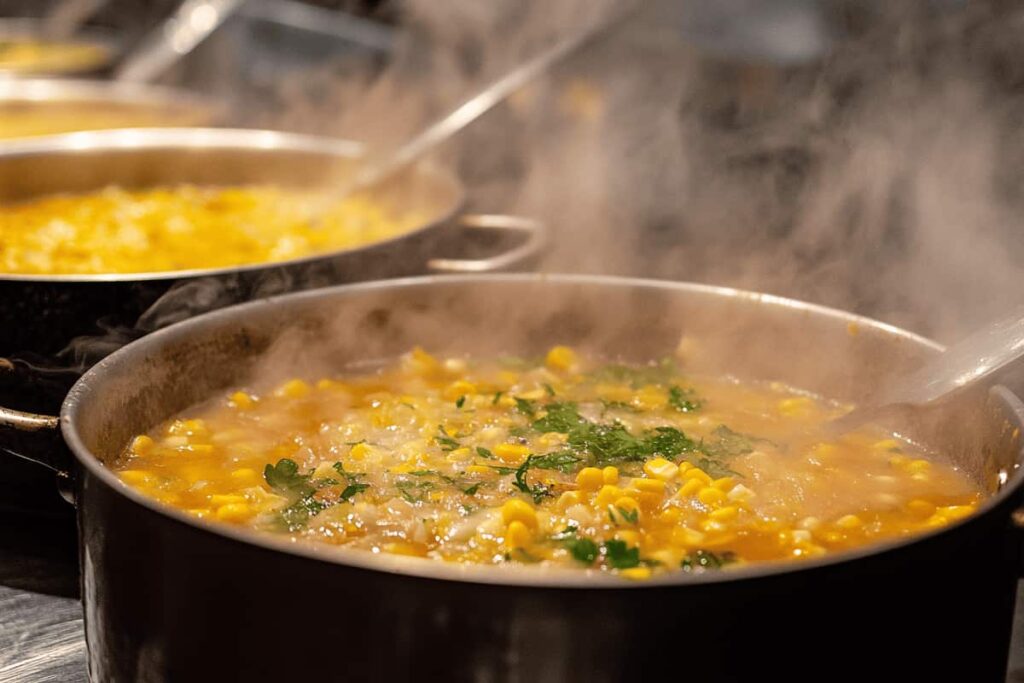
(141, 158)
(723, 332)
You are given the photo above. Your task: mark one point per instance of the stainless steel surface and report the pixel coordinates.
(970, 362)
(85, 161)
(384, 162)
(533, 232)
(190, 25)
(37, 96)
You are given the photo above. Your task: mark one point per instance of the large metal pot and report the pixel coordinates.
(169, 597)
(47, 106)
(53, 327)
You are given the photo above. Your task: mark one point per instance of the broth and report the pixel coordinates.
(565, 461)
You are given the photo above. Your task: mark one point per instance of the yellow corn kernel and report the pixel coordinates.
(135, 477)
(436, 496)
(403, 548)
(608, 494)
(560, 358)
(628, 536)
(508, 378)
(421, 361)
(610, 475)
(568, 499)
(684, 467)
(724, 484)
(550, 439)
(200, 448)
(649, 485)
(690, 488)
(293, 388)
(241, 400)
(142, 445)
(516, 510)
(589, 479)
(697, 473)
(636, 573)
(886, 445)
(921, 508)
(955, 511)
(482, 469)
(660, 468)
(651, 397)
(533, 394)
(219, 499)
(359, 451)
(198, 512)
(511, 452)
(517, 535)
(795, 406)
(849, 522)
(710, 496)
(462, 454)
(899, 460)
(687, 537)
(670, 517)
(245, 475)
(459, 388)
(626, 504)
(918, 466)
(726, 514)
(713, 526)
(234, 512)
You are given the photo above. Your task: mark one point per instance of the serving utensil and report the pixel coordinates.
(966, 364)
(64, 20)
(177, 36)
(381, 164)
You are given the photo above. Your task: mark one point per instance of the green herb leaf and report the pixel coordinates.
(567, 532)
(728, 443)
(353, 489)
(484, 453)
(285, 477)
(620, 556)
(497, 397)
(637, 376)
(460, 401)
(685, 401)
(705, 559)
(526, 406)
(446, 442)
(628, 516)
(563, 461)
(538, 492)
(548, 388)
(471, 490)
(559, 417)
(583, 550)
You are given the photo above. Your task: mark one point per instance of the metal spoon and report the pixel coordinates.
(966, 364)
(178, 35)
(384, 163)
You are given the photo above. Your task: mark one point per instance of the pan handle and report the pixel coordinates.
(35, 438)
(535, 237)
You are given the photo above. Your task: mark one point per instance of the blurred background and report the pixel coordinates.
(856, 153)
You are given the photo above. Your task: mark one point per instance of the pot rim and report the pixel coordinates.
(38, 90)
(525, 576)
(240, 139)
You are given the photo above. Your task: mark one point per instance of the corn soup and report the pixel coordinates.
(563, 461)
(183, 228)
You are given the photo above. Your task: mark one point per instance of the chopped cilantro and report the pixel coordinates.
(620, 556)
(285, 478)
(684, 401)
(705, 559)
(471, 490)
(559, 417)
(353, 489)
(497, 397)
(537, 492)
(484, 453)
(460, 401)
(445, 441)
(629, 516)
(728, 443)
(526, 406)
(548, 388)
(563, 461)
(582, 550)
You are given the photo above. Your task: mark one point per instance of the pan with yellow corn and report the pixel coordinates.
(562, 478)
(107, 235)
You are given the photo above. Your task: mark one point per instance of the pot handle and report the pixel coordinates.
(35, 438)
(535, 234)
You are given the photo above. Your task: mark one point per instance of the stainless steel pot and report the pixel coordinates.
(170, 597)
(126, 104)
(53, 327)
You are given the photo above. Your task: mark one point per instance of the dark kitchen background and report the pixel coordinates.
(863, 154)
